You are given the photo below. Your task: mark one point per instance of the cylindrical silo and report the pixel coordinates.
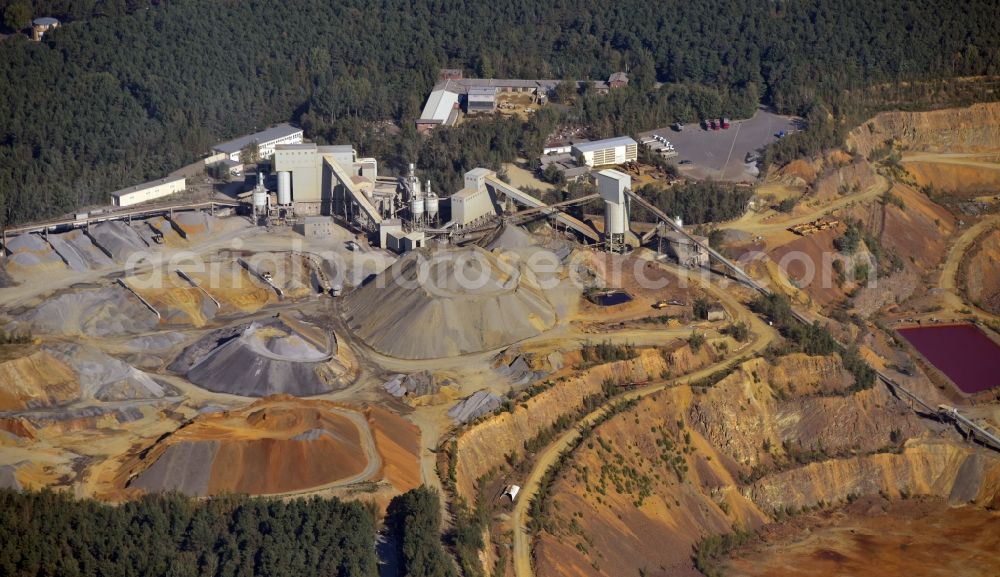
(431, 204)
(260, 199)
(614, 218)
(417, 208)
(284, 188)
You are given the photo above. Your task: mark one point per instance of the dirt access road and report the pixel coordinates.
(753, 223)
(949, 271)
(763, 335)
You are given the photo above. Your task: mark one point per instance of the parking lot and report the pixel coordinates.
(720, 154)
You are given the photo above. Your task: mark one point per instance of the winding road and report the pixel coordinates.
(762, 335)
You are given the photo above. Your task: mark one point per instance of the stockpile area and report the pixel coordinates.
(62, 373)
(276, 445)
(177, 301)
(233, 287)
(79, 251)
(465, 301)
(35, 379)
(290, 272)
(30, 252)
(94, 312)
(262, 358)
(195, 224)
(118, 239)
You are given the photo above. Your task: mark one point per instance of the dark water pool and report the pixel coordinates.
(612, 298)
(962, 352)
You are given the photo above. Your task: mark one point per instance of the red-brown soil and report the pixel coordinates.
(36, 379)
(398, 443)
(276, 445)
(921, 537)
(980, 272)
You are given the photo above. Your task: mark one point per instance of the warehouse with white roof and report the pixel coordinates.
(441, 109)
(608, 151)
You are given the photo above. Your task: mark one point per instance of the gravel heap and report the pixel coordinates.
(436, 312)
(259, 359)
(474, 406)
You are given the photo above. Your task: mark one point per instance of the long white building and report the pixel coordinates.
(605, 152)
(148, 191)
(266, 141)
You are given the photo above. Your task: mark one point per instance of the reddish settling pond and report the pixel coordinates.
(962, 352)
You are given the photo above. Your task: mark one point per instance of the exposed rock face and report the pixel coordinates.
(485, 445)
(649, 483)
(457, 302)
(981, 272)
(801, 402)
(854, 177)
(972, 129)
(942, 468)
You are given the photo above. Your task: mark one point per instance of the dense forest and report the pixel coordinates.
(51, 533)
(126, 91)
(696, 202)
(415, 519)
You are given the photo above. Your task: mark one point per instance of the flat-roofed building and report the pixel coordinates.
(605, 152)
(316, 227)
(481, 100)
(311, 182)
(471, 206)
(441, 109)
(266, 141)
(148, 191)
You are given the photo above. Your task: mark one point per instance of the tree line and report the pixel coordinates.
(50, 533)
(125, 92)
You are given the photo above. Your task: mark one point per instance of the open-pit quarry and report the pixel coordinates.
(710, 423)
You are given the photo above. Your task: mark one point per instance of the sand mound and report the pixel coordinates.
(454, 302)
(105, 378)
(36, 380)
(273, 446)
(79, 251)
(31, 251)
(259, 359)
(195, 224)
(474, 406)
(98, 312)
(62, 373)
(118, 239)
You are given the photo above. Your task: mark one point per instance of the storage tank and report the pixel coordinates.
(431, 204)
(679, 222)
(417, 208)
(284, 188)
(614, 218)
(260, 199)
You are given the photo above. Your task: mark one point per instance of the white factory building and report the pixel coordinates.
(266, 141)
(441, 109)
(305, 177)
(473, 204)
(606, 152)
(148, 191)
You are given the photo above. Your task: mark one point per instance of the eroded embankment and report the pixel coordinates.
(645, 486)
(484, 446)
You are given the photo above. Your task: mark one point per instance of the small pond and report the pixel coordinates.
(611, 298)
(963, 352)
